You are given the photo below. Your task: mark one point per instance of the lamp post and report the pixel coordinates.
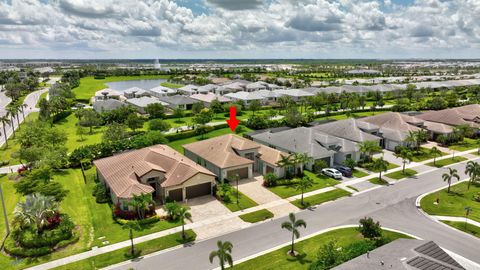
(4, 211)
(468, 209)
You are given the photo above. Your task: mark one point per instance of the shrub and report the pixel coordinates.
(270, 180)
(171, 208)
(320, 165)
(369, 228)
(158, 124)
(145, 221)
(101, 194)
(12, 248)
(477, 197)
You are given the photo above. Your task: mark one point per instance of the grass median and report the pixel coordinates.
(257, 216)
(321, 198)
(400, 174)
(446, 162)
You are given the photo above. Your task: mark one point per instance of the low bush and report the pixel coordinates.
(270, 180)
(145, 221)
(100, 193)
(477, 197)
(12, 248)
(28, 238)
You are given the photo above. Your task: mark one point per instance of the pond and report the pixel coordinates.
(144, 84)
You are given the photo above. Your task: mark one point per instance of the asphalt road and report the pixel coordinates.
(394, 206)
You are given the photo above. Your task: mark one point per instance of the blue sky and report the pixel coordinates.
(239, 29)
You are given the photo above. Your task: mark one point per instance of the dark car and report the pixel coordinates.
(347, 172)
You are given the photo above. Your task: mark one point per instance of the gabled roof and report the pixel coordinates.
(348, 129)
(209, 97)
(145, 101)
(178, 100)
(122, 171)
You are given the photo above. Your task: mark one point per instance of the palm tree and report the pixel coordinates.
(131, 225)
(292, 226)
(141, 203)
(406, 155)
(381, 165)
(303, 184)
(411, 139)
(36, 210)
(224, 254)
(452, 173)
(472, 169)
(435, 153)
(300, 159)
(367, 148)
(284, 162)
(4, 120)
(11, 113)
(183, 214)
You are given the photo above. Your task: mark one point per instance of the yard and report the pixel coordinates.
(90, 85)
(424, 154)
(377, 181)
(399, 174)
(359, 174)
(321, 198)
(369, 166)
(244, 201)
(13, 146)
(286, 188)
(453, 203)
(278, 259)
(446, 161)
(257, 216)
(466, 144)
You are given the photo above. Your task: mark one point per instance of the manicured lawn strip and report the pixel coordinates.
(470, 228)
(13, 146)
(321, 198)
(177, 145)
(344, 115)
(121, 255)
(467, 144)
(308, 248)
(244, 202)
(358, 173)
(257, 216)
(368, 166)
(74, 141)
(377, 181)
(89, 85)
(171, 85)
(453, 203)
(353, 188)
(399, 174)
(288, 189)
(446, 161)
(424, 154)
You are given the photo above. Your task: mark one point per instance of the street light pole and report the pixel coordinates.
(4, 211)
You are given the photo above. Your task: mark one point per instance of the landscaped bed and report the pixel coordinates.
(256, 216)
(117, 256)
(453, 203)
(400, 174)
(308, 249)
(447, 161)
(321, 198)
(285, 188)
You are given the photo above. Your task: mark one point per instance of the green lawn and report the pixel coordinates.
(462, 226)
(120, 255)
(467, 144)
(177, 145)
(171, 85)
(369, 166)
(446, 161)
(244, 202)
(399, 174)
(359, 174)
(453, 203)
(42, 96)
(321, 198)
(279, 260)
(257, 216)
(377, 181)
(89, 85)
(287, 187)
(345, 116)
(424, 154)
(13, 146)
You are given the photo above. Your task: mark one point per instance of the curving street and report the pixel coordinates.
(394, 206)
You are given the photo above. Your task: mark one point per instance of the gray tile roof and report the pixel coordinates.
(178, 100)
(107, 105)
(143, 102)
(348, 129)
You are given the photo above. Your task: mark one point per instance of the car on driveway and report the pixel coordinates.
(347, 172)
(331, 172)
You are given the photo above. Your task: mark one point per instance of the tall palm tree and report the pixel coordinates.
(284, 162)
(367, 148)
(4, 120)
(22, 109)
(292, 226)
(303, 184)
(300, 159)
(141, 203)
(452, 173)
(183, 214)
(411, 140)
(435, 153)
(472, 169)
(224, 254)
(131, 225)
(36, 210)
(406, 155)
(381, 165)
(11, 113)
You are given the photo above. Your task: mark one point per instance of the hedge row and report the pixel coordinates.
(144, 221)
(191, 133)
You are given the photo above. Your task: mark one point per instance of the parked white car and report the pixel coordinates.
(334, 173)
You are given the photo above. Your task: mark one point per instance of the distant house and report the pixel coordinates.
(404, 254)
(208, 88)
(294, 94)
(135, 92)
(351, 129)
(107, 105)
(161, 91)
(251, 87)
(230, 155)
(107, 93)
(141, 103)
(188, 90)
(465, 115)
(179, 101)
(208, 98)
(235, 86)
(158, 170)
(246, 97)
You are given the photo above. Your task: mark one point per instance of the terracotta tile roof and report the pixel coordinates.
(122, 171)
(270, 155)
(437, 127)
(451, 117)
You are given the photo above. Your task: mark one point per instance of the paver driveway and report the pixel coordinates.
(206, 207)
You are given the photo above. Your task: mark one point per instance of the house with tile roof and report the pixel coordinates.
(141, 103)
(158, 170)
(207, 98)
(230, 155)
(465, 115)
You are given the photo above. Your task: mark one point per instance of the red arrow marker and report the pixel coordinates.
(233, 121)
